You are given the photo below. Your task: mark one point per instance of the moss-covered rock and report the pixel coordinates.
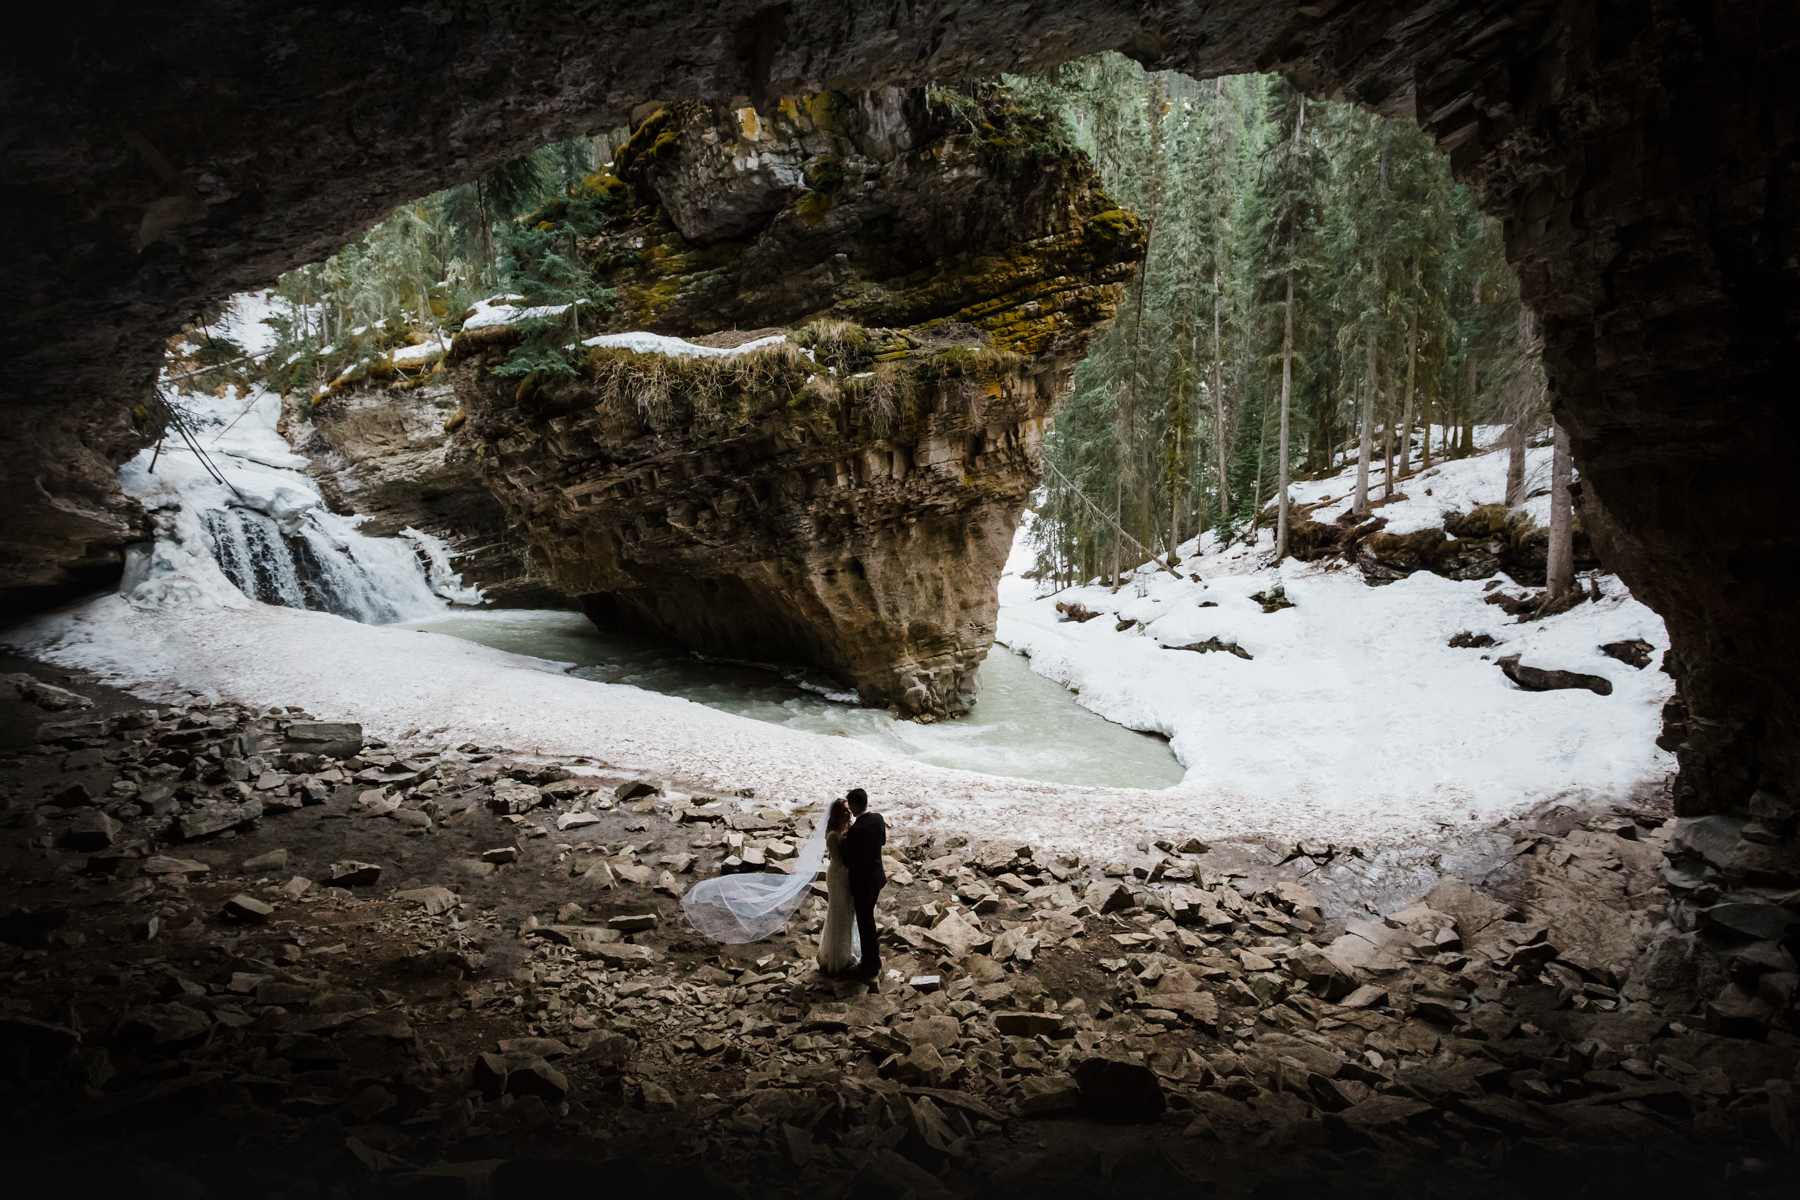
(847, 497)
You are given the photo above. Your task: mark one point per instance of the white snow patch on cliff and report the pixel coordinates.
(509, 310)
(674, 347)
(414, 356)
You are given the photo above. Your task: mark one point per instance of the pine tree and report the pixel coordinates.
(1293, 181)
(1211, 381)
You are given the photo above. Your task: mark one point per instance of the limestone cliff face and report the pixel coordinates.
(388, 452)
(845, 498)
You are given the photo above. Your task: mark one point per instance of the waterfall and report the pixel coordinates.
(323, 564)
(445, 580)
(236, 507)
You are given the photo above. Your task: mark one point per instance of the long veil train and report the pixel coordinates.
(735, 909)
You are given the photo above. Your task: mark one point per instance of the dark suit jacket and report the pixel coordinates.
(862, 852)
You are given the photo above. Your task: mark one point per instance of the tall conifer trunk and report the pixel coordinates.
(1406, 413)
(1387, 450)
(1221, 427)
(1221, 433)
(1468, 414)
(1287, 379)
(1560, 571)
(1425, 415)
(1118, 539)
(1515, 460)
(1367, 433)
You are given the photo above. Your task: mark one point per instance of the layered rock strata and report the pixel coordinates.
(845, 495)
(390, 455)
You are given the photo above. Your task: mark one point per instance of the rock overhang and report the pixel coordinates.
(843, 495)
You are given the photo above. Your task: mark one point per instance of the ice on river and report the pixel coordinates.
(1024, 726)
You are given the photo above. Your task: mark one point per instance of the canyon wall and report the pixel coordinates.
(844, 493)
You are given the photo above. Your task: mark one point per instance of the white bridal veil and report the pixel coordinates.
(748, 908)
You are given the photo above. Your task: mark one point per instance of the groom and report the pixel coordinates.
(862, 854)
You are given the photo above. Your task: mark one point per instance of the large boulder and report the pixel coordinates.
(334, 739)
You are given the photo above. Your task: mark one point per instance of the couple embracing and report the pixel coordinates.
(847, 841)
(854, 837)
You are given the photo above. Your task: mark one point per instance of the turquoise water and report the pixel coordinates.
(1023, 725)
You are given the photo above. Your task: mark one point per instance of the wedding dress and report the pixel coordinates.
(735, 909)
(838, 943)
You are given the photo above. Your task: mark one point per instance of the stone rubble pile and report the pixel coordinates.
(426, 947)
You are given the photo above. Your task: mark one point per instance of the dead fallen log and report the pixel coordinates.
(1543, 679)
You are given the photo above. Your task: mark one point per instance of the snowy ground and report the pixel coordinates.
(1354, 723)
(1455, 485)
(1353, 712)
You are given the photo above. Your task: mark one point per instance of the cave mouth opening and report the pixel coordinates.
(1643, 161)
(1450, 350)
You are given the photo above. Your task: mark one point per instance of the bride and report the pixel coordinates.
(737, 909)
(837, 945)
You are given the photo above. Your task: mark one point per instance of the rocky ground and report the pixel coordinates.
(257, 954)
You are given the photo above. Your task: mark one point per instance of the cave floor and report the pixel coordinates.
(494, 1012)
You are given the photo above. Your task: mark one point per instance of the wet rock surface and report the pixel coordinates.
(1200, 1017)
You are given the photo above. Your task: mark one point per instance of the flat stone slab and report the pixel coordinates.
(434, 900)
(162, 864)
(209, 820)
(247, 908)
(334, 739)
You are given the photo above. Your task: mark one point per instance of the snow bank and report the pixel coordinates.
(1353, 712)
(420, 355)
(507, 310)
(1424, 499)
